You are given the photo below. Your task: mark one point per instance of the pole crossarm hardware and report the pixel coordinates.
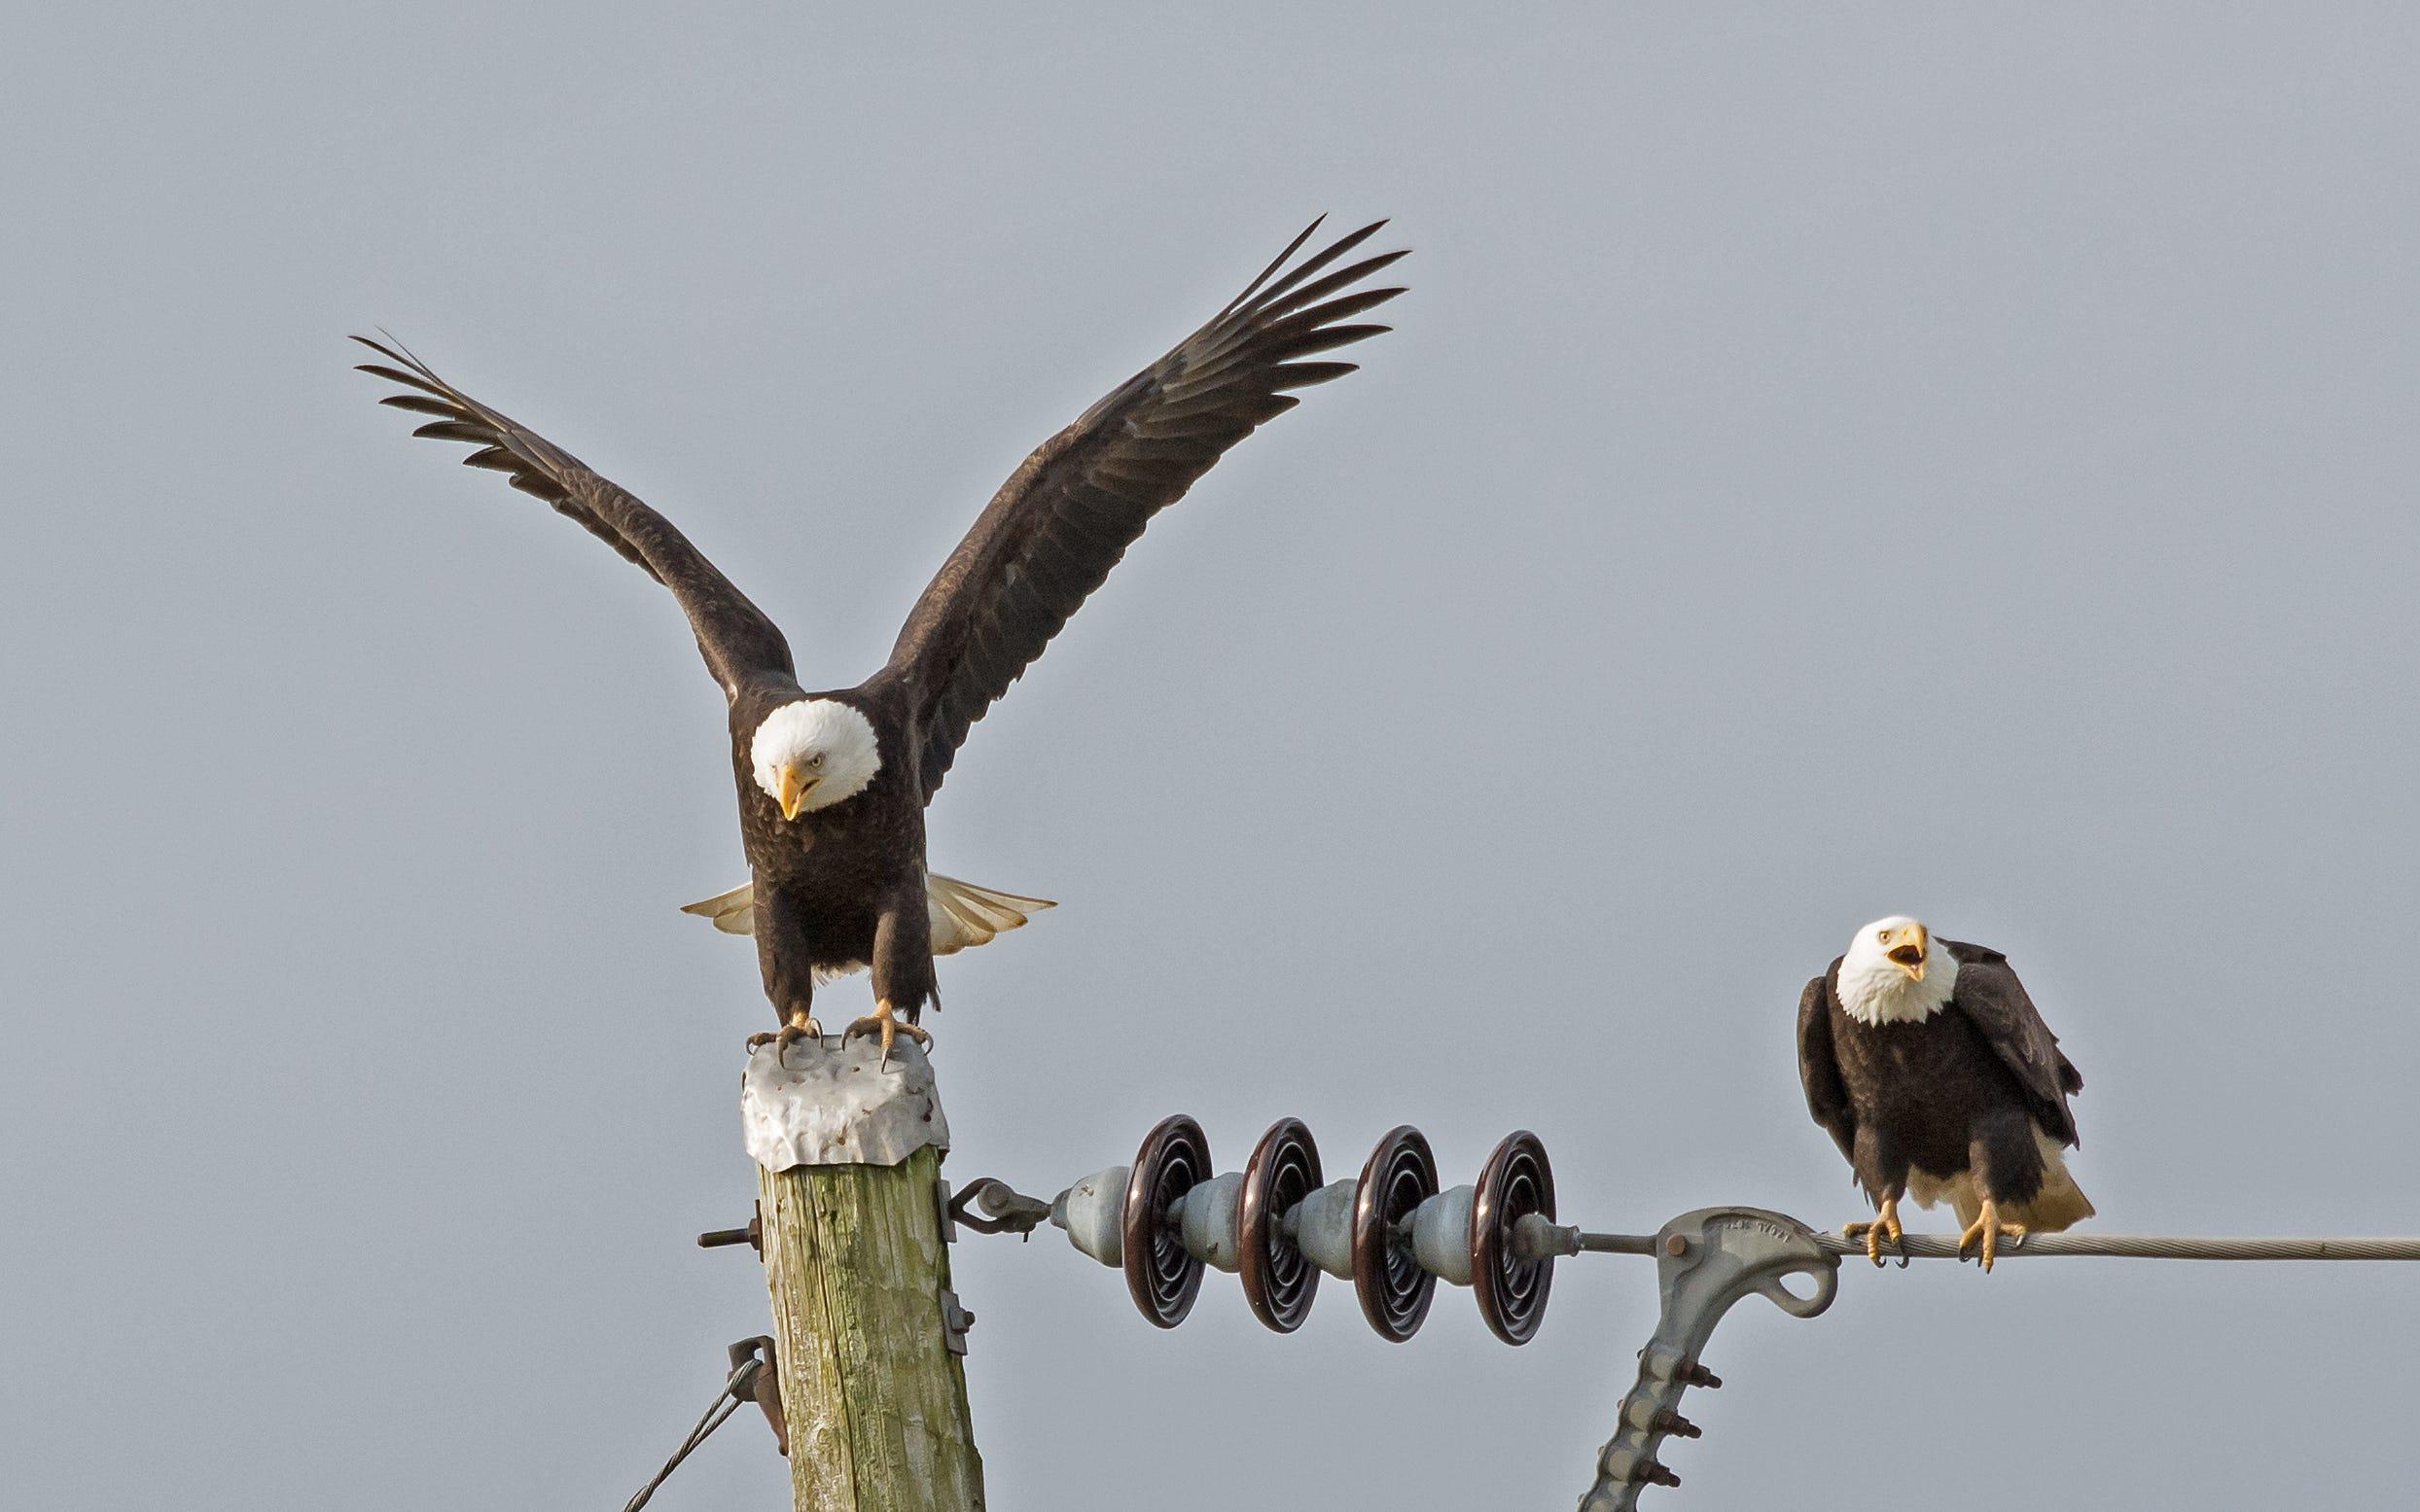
(1392, 1234)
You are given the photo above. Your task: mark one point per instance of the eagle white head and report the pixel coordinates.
(813, 754)
(1893, 972)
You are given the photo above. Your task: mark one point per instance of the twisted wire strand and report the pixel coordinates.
(716, 1416)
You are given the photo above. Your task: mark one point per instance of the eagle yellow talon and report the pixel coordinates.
(885, 1021)
(801, 1026)
(1986, 1231)
(1884, 1224)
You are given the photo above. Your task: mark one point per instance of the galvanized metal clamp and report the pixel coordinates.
(1705, 1262)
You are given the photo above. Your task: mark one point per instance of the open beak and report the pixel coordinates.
(1909, 953)
(796, 785)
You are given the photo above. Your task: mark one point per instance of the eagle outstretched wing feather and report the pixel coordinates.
(1819, 1068)
(733, 635)
(1995, 1003)
(1062, 520)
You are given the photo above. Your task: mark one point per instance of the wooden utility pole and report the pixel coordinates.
(869, 1332)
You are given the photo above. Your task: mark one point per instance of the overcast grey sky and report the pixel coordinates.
(1832, 461)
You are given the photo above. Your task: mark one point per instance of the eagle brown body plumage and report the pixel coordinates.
(844, 883)
(839, 888)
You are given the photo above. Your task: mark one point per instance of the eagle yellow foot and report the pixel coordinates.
(1884, 1224)
(1988, 1231)
(801, 1026)
(885, 1021)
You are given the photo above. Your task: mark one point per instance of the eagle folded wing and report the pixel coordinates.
(1819, 1066)
(1993, 1000)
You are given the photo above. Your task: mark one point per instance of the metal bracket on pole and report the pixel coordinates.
(1705, 1261)
(955, 1321)
(753, 1378)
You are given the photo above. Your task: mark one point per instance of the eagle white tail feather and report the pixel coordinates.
(732, 912)
(2060, 1204)
(974, 914)
(962, 914)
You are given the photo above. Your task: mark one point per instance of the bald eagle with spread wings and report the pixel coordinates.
(1935, 1076)
(833, 784)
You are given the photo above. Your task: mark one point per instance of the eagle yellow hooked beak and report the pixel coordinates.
(796, 785)
(1908, 948)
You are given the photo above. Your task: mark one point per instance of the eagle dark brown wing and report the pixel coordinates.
(1051, 534)
(1996, 1003)
(1819, 1068)
(733, 634)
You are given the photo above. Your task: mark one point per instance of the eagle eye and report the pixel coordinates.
(817, 760)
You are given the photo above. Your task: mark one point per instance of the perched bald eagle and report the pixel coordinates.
(1937, 1077)
(833, 784)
